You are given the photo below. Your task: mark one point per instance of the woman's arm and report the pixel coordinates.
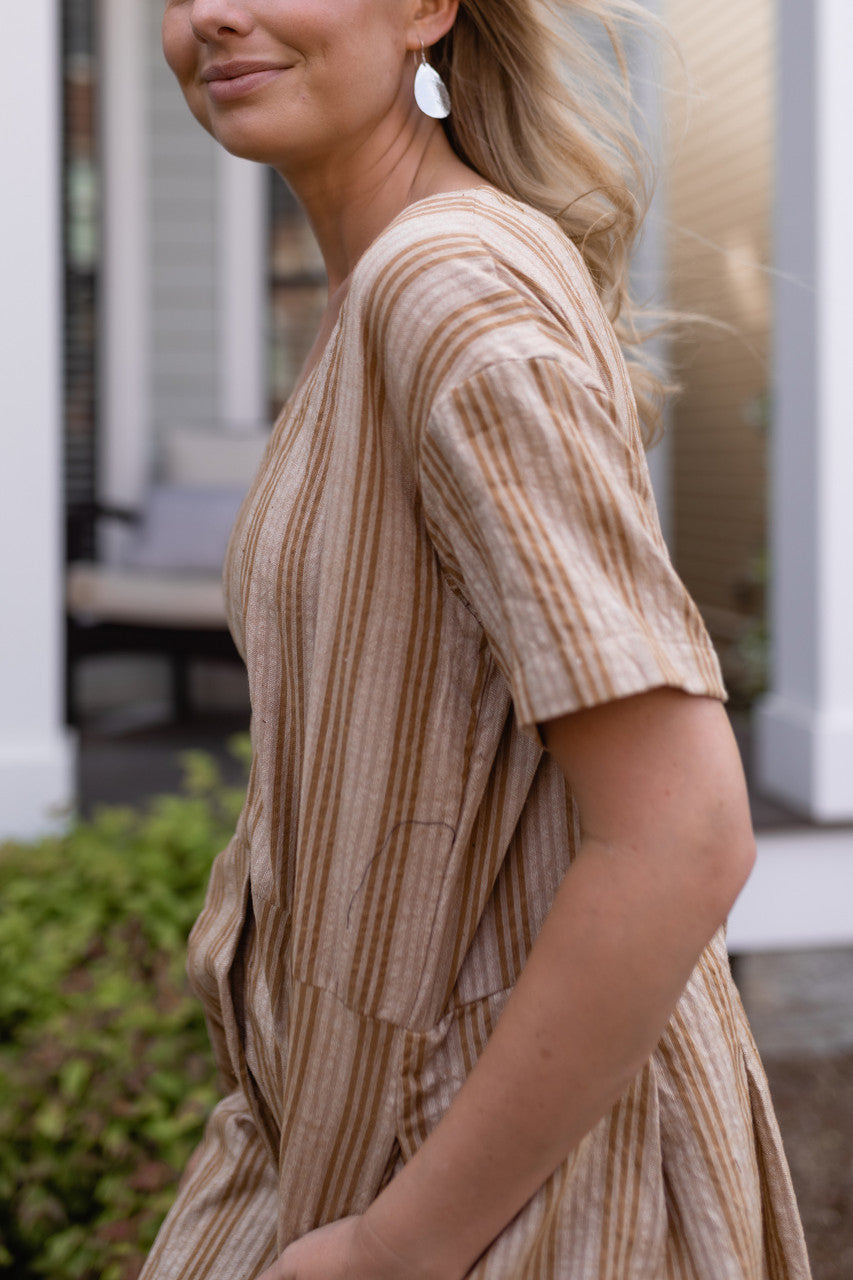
(666, 847)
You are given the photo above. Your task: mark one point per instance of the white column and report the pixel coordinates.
(124, 304)
(805, 725)
(242, 291)
(36, 755)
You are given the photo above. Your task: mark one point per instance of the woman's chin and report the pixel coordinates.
(242, 143)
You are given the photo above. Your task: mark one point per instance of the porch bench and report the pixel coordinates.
(164, 595)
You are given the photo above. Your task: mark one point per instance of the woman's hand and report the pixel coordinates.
(324, 1254)
(348, 1249)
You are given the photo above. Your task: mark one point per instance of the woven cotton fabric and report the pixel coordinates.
(452, 539)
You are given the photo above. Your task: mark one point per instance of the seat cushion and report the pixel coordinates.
(101, 593)
(184, 529)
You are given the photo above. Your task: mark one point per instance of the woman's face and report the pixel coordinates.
(292, 82)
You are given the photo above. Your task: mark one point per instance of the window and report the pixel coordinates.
(81, 237)
(297, 291)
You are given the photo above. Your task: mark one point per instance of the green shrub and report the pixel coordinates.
(106, 1076)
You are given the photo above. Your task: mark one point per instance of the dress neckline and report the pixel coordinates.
(324, 359)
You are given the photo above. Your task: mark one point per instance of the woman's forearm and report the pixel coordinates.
(587, 1012)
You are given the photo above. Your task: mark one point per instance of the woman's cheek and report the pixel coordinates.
(197, 103)
(180, 51)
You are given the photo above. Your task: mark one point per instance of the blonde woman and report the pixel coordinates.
(463, 962)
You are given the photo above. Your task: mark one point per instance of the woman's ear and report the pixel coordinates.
(431, 19)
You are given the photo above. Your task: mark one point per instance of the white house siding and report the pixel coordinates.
(182, 196)
(720, 191)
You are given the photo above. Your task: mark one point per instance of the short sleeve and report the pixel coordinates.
(538, 500)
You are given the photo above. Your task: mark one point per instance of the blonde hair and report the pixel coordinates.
(542, 113)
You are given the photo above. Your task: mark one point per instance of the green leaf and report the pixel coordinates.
(74, 1076)
(50, 1120)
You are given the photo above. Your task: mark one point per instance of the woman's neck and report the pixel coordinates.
(349, 204)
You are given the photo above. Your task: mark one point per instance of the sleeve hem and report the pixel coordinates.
(534, 708)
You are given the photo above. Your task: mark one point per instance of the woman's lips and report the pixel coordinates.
(229, 82)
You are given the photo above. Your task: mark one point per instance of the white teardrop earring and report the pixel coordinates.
(430, 90)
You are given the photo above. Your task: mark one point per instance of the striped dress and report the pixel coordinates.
(451, 539)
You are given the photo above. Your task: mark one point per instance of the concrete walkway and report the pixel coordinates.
(799, 1003)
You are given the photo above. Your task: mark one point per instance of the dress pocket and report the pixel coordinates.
(436, 1063)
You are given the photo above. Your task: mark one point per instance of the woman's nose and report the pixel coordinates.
(213, 20)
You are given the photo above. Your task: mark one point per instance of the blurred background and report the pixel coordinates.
(158, 300)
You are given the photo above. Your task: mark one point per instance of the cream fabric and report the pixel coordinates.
(451, 538)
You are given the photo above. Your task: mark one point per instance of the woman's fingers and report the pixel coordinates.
(332, 1252)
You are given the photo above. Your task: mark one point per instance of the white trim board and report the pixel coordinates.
(125, 302)
(242, 213)
(36, 755)
(800, 894)
(804, 728)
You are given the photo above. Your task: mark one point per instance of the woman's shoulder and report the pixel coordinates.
(485, 217)
(453, 234)
(470, 278)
